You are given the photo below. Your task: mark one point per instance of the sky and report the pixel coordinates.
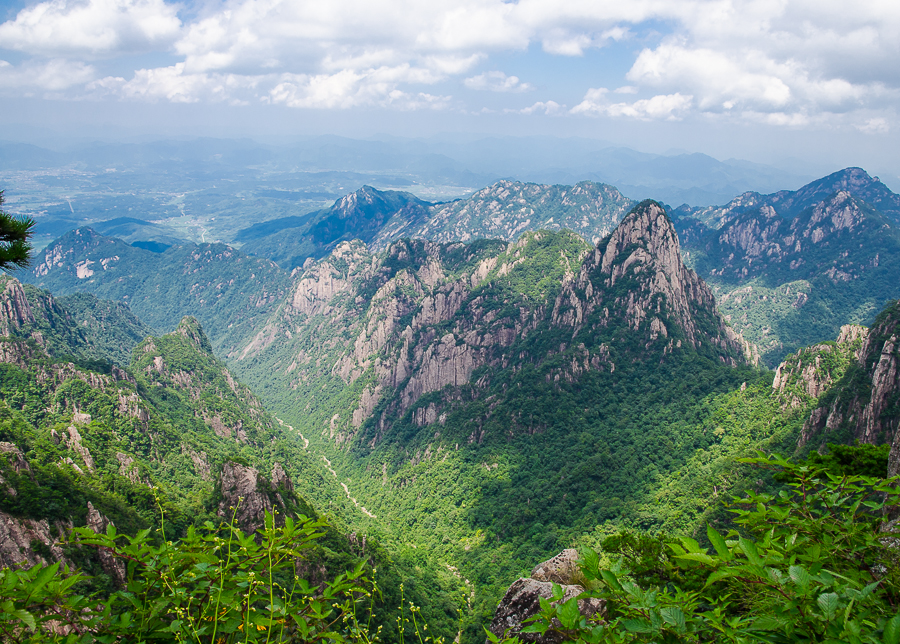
(756, 79)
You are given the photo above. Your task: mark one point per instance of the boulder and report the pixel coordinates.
(523, 599)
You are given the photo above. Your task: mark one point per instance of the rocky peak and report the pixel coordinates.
(191, 329)
(637, 272)
(15, 311)
(813, 370)
(853, 181)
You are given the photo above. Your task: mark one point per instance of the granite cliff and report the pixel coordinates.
(864, 404)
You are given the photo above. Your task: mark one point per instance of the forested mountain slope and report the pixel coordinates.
(359, 215)
(85, 447)
(227, 291)
(492, 400)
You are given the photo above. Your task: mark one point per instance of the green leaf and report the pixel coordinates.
(25, 617)
(611, 580)
(828, 602)
(637, 626)
(722, 573)
(45, 575)
(799, 576)
(590, 563)
(568, 613)
(699, 556)
(674, 616)
(690, 544)
(892, 631)
(749, 549)
(718, 542)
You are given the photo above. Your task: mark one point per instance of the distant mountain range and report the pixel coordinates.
(788, 268)
(501, 211)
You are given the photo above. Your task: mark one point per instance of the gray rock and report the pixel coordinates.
(523, 599)
(113, 567)
(561, 569)
(248, 496)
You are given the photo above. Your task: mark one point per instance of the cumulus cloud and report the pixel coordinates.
(94, 28)
(543, 107)
(776, 61)
(348, 89)
(174, 85)
(497, 81)
(52, 76)
(876, 125)
(669, 107)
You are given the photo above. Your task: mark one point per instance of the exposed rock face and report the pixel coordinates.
(20, 539)
(813, 370)
(522, 600)
(866, 404)
(248, 496)
(15, 311)
(113, 567)
(508, 208)
(817, 241)
(638, 274)
(425, 318)
(561, 569)
(789, 203)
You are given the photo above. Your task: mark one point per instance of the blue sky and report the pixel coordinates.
(757, 79)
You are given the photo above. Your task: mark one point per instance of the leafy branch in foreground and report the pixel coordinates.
(215, 585)
(808, 564)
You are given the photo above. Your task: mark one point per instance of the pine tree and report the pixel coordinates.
(15, 233)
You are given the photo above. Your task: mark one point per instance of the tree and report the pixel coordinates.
(15, 233)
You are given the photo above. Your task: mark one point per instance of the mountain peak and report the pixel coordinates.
(648, 226)
(635, 278)
(190, 328)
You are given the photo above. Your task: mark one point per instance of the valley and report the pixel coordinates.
(473, 386)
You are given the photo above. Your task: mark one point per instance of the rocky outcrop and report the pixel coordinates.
(865, 403)
(637, 274)
(26, 542)
(813, 370)
(790, 203)
(113, 566)
(247, 496)
(823, 240)
(507, 208)
(15, 310)
(522, 599)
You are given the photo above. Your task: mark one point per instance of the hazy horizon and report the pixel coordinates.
(761, 81)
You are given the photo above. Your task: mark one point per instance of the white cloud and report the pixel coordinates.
(91, 28)
(497, 81)
(669, 107)
(349, 89)
(876, 125)
(52, 76)
(790, 59)
(543, 107)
